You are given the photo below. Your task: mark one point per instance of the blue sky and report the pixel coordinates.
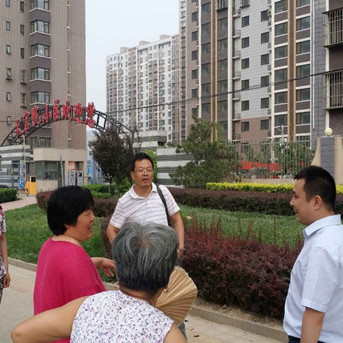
(111, 24)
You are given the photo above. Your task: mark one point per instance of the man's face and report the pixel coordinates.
(302, 207)
(143, 173)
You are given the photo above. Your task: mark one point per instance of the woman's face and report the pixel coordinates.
(82, 230)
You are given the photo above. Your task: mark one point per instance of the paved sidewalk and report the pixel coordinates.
(22, 202)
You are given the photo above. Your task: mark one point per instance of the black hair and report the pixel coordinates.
(318, 181)
(65, 205)
(139, 157)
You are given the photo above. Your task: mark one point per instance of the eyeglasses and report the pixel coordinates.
(146, 170)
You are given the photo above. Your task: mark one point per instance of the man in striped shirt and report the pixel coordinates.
(143, 203)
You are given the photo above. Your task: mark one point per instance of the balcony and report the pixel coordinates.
(245, 3)
(237, 116)
(236, 34)
(333, 90)
(221, 4)
(333, 27)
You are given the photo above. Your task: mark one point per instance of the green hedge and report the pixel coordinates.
(8, 194)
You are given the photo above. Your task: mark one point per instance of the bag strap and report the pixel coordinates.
(160, 193)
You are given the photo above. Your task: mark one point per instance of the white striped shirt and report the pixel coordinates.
(150, 209)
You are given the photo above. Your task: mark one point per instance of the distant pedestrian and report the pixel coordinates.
(5, 278)
(314, 304)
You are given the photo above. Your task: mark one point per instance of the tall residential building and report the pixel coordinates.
(42, 59)
(333, 90)
(142, 86)
(257, 67)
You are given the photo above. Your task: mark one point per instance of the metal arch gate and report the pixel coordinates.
(40, 117)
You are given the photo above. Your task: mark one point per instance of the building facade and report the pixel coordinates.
(43, 59)
(258, 67)
(143, 87)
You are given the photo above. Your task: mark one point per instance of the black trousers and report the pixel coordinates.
(292, 339)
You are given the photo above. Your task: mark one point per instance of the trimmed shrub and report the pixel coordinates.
(239, 271)
(8, 194)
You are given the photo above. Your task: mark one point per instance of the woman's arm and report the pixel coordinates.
(104, 264)
(175, 336)
(4, 255)
(48, 326)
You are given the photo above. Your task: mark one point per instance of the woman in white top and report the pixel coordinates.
(145, 256)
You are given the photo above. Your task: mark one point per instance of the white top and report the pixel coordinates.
(317, 280)
(151, 209)
(113, 316)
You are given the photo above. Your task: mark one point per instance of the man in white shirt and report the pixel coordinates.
(143, 202)
(314, 303)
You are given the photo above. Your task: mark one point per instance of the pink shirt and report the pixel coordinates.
(64, 272)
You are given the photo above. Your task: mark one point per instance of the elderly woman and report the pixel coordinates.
(4, 274)
(65, 271)
(145, 256)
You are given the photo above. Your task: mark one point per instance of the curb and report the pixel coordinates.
(198, 311)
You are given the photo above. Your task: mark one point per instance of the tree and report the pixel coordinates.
(213, 159)
(113, 152)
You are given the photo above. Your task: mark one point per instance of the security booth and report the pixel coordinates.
(31, 186)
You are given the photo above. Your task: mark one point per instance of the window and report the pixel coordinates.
(206, 89)
(245, 21)
(222, 44)
(40, 97)
(281, 29)
(281, 52)
(206, 28)
(206, 48)
(265, 81)
(245, 126)
(245, 85)
(302, 3)
(22, 53)
(9, 73)
(303, 23)
(206, 8)
(22, 29)
(8, 26)
(264, 15)
(303, 70)
(221, 4)
(9, 120)
(195, 111)
(194, 55)
(206, 68)
(281, 98)
(42, 4)
(245, 63)
(245, 42)
(245, 105)
(8, 96)
(194, 74)
(195, 17)
(205, 108)
(222, 106)
(264, 124)
(303, 47)
(8, 3)
(264, 59)
(40, 73)
(194, 93)
(303, 118)
(222, 65)
(280, 75)
(23, 99)
(264, 102)
(21, 6)
(8, 50)
(303, 94)
(194, 36)
(264, 37)
(280, 120)
(222, 86)
(222, 24)
(40, 50)
(40, 26)
(280, 6)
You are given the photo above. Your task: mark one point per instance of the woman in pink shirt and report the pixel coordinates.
(64, 269)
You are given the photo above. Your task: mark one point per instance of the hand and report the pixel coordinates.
(105, 265)
(6, 280)
(180, 252)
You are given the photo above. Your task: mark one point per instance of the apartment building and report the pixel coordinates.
(257, 67)
(143, 87)
(42, 58)
(333, 83)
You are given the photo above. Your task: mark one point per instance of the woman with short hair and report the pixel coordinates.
(145, 256)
